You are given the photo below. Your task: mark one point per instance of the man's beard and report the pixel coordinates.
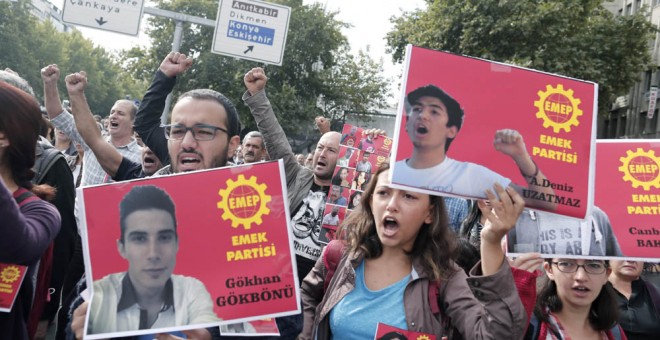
(217, 162)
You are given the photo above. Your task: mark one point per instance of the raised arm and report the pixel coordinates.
(60, 118)
(502, 212)
(275, 139)
(106, 154)
(50, 76)
(147, 119)
(511, 143)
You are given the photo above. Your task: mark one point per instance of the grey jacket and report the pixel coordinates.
(480, 307)
(298, 178)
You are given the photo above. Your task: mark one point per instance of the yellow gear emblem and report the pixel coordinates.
(423, 337)
(558, 108)
(10, 274)
(641, 168)
(244, 202)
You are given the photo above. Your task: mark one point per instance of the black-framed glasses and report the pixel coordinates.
(572, 267)
(200, 132)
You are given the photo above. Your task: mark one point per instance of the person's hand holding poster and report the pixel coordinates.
(188, 251)
(465, 124)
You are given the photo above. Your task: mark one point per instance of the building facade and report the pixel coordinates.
(629, 116)
(44, 10)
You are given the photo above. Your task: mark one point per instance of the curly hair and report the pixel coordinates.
(434, 245)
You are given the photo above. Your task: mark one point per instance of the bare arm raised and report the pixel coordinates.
(50, 76)
(511, 143)
(106, 154)
(502, 212)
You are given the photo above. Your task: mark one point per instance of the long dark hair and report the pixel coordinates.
(336, 179)
(435, 243)
(20, 121)
(603, 313)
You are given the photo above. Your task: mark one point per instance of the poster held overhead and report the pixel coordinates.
(464, 124)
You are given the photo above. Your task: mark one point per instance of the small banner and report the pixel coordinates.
(11, 278)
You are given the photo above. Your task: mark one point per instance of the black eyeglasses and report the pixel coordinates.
(572, 267)
(200, 132)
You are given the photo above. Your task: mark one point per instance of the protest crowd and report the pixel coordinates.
(416, 262)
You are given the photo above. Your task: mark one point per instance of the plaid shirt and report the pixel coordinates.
(457, 211)
(92, 171)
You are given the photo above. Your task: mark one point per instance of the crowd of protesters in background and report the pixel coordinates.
(396, 245)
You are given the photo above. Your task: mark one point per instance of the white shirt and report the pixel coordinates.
(331, 220)
(450, 176)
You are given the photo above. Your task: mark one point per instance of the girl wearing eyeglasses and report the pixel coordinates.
(576, 302)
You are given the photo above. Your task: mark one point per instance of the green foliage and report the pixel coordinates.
(28, 45)
(579, 39)
(317, 67)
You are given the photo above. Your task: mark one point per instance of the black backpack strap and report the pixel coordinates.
(46, 158)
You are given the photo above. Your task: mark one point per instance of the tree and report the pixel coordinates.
(315, 52)
(579, 39)
(28, 45)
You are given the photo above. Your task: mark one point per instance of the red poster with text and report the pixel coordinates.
(188, 251)
(11, 278)
(628, 191)
(387, 332)
(464, 124)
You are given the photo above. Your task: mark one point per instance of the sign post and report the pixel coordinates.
(121, 16)
(253, 30)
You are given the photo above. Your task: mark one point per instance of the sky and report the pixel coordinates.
(369, 20)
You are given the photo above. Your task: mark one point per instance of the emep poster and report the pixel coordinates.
(387, 332)
(11, 278)
(628, 191)
(464, 124)
(188, 251)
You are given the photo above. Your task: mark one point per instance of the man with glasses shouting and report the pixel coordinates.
(209, 116)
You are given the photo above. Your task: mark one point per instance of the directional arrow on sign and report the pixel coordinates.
(100, 21)
(249, 49)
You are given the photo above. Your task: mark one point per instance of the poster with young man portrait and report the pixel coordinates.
(464, 124)
(188, 251)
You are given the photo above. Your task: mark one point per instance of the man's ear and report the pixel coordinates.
(121, 249)
(234, 142)
(452, 131)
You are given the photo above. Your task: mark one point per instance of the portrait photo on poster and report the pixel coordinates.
(529, 130)
(147, 247)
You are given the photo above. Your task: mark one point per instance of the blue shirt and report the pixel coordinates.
(357, 315)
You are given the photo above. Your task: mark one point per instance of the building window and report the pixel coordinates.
(629, 9)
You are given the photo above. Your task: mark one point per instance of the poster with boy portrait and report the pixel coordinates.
(188, 251)
(532, 130)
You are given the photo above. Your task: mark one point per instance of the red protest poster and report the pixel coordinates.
(11, 278)
(628, 191)
(464, 124)
(386, 332)
(184, 251)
